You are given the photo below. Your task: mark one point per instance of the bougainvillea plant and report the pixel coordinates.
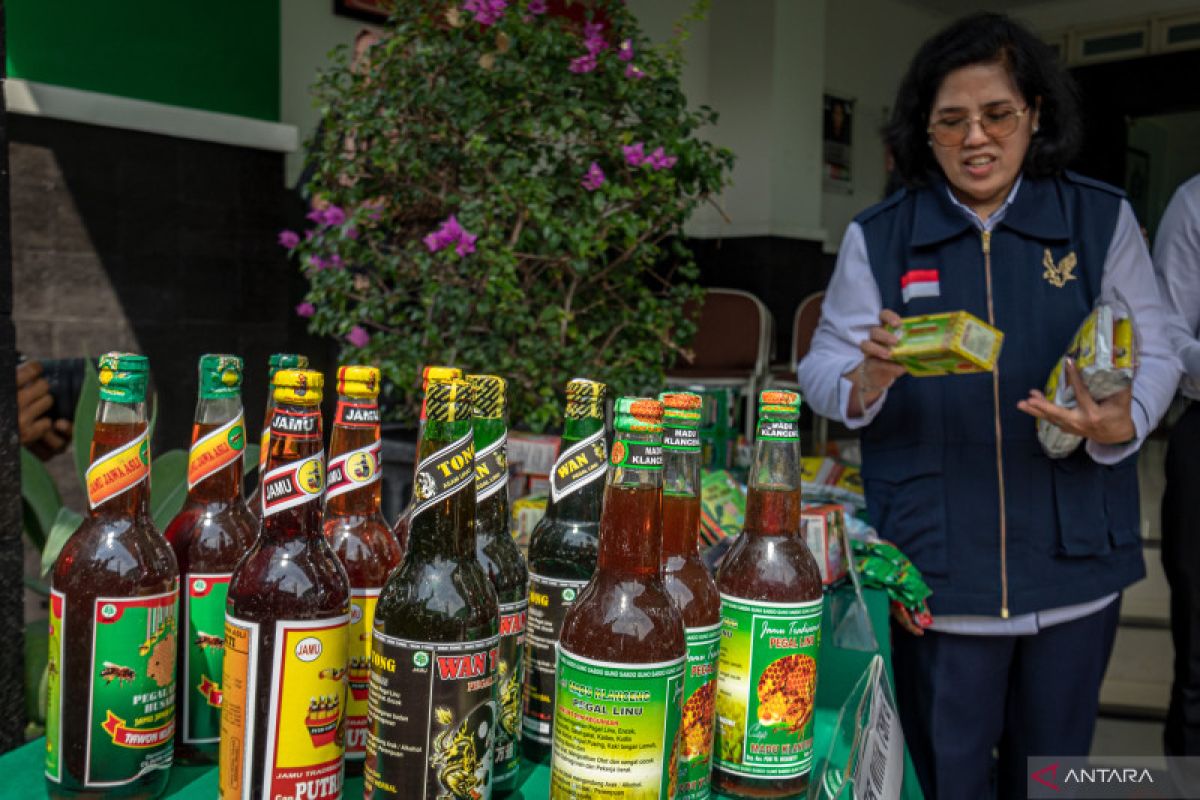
(502, 187)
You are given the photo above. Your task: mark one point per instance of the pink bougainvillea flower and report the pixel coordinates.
(486, 12)
(466, 244)
(451, 232)
(335, 262)
(537, 7)
(358, 336)
(660, 160)
(289, 239)
(633, 72)
(625, 50)
(635, 154)
(350, 232)
(594, 178)
(333, 216)
(317, 215)
(305, 310)
(317, 263)
(309, 234)
(585, 63)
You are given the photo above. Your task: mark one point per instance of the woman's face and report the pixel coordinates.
(982, 169)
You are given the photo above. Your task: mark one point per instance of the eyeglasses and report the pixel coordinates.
(952, 131)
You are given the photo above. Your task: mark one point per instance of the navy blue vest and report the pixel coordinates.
(930, 464)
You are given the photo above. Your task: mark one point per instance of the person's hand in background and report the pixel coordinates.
(43, 436)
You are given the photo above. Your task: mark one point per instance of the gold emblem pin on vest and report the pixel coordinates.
(1058, 274)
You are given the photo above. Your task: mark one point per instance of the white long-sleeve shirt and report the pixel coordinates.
(1177, 265)
(851, 308)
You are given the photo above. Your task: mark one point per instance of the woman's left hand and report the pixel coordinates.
(1105, 422)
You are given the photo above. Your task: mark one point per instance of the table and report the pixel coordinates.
(839, 670)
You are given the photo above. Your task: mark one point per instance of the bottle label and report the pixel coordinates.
(204, 655)
(433, 719)
(264, 447)
(131, 696)
(766, 687)
(491, 469)
(306, 687)
(683, 440)
(616, 728)
(443, 474)
(510, 673)
(549, 599)
(358, 675)
(216, 450)
(354, 470)
(119, 471)
(628, 454)
(579, 465)
(696, 728)
(303, 425)
(779, 430)
(294, 483)
(356, 415)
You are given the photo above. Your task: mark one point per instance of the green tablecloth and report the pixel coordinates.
(839, 670)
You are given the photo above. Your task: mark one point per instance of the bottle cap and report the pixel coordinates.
(585, 399)
(779, 404)
(358, 381)
(300, 387)
(435, 373)
(123, 377)
(279, 361)
(638, 415)
(681, 409)
(489, 394)
(448, 400)
(220, 376)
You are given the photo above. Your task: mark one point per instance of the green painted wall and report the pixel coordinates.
(216, 55)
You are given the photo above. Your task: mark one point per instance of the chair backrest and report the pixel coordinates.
(804, 325)
(732, 332)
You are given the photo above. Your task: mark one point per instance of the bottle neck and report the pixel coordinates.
(631, 525)
(491, 478)
(118, 476)
(773, 495)
(294, 478)
(215, 458)
(585, 502)
(443, 510)
(681, 492)
(354, 459)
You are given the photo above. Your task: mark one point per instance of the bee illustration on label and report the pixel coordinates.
(425, 486)
(460, 753)
(115, 672)
(208, 641)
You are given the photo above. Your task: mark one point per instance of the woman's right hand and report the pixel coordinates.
(877, 371)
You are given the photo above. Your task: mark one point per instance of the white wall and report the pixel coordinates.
(308, 32)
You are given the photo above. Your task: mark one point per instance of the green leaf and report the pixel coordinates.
(41, 497)
(66, 522)
(168, 486)
(85, 420)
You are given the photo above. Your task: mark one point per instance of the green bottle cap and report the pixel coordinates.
(279, 361)
(489, 395)
(585, 399)
(123, 377)
(779, 404)
(220, 376)
(448, 400)
(638, 415)
(681, 409)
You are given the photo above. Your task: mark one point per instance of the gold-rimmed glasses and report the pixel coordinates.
(951, 130)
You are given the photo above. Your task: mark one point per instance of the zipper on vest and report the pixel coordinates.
(986, 241)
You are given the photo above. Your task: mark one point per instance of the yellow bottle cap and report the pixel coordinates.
(300, 387)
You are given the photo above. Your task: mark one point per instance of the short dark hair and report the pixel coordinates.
(986, 38)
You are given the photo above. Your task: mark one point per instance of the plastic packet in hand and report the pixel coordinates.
(1105, 355)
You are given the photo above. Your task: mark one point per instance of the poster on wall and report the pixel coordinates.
(366, 10)
(839, 123)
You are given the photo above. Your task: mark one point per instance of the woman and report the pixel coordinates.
(1026, 555)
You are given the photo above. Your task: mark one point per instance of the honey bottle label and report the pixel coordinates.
(354, 470)
(766, 687)
(358, 675)
(616, 729)
(549, 599)
(444, 473)
(510, 672)
(580, 464)
(216, 450)
(699, 713)
(491, 469)
(304, 730)
(131, 696)
(433, 719)
(204, 656)
(117, 472)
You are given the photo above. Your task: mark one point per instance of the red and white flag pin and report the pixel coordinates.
(919, 283)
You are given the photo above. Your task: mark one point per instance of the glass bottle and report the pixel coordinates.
(209, 535)
(503, 563)
(358, 533)
(429, 373)
(562, 554)
(114, 594)
(691, 587)
(623, 650)
(771, 624)
(433, 658)
(276, 362)
(287, 623)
